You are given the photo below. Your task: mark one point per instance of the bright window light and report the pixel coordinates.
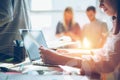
(42, 5)
(86, 43)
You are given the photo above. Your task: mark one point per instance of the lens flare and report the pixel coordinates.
(86, 43)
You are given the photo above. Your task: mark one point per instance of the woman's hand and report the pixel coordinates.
(47, 55)
(55, 58)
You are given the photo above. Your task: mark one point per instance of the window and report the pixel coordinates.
(41, 5)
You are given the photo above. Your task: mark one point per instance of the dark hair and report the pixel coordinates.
(117, 28)
(91, 8)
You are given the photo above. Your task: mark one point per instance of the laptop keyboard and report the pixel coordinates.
(47, 65)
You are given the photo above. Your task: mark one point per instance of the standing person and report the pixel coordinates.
(104, 60)
(95, 31)
(68, 27)
(14, 15)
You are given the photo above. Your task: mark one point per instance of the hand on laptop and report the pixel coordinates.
(55, 58)
(47, 55)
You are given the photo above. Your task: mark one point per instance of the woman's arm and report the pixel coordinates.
(54, 58)
(74, 52)
(103, 60)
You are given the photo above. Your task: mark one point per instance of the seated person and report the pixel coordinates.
(68, 27)
(103, 60)
(95, 31)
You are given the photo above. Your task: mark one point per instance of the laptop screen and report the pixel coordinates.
(33, 39)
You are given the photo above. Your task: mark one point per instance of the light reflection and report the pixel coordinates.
(86, 43)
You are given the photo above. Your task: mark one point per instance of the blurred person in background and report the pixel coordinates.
(96, 31)
(105, 60)
(68, 27)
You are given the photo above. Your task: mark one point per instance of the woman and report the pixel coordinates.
(68, 26)
(104, 60)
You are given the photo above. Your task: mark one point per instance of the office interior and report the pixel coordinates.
(47, 17)
(44, 15)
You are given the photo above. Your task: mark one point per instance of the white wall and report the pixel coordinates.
(46, 17)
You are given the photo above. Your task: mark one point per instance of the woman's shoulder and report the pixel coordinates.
(113, 38)
(60, 24)
(113, 42)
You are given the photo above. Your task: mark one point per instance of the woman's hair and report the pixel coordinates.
(91, 8)
(117, 28)
(68, 10)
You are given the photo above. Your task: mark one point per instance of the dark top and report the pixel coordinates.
(61, 28)
(74, 28)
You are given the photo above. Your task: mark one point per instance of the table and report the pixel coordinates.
(29, 73)
(41, 77)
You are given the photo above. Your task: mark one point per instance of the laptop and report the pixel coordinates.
(33, 39)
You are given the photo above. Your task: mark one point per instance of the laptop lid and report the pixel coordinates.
(33, 39)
